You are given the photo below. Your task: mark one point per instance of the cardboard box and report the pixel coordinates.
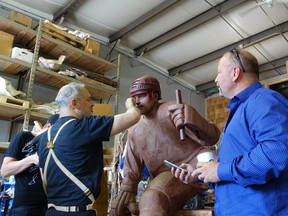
(20, 18)
(6, 41)
(22, 54)
(103, 109)
(61, 33)
(92, 47)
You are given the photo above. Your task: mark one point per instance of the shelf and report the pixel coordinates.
(4, 145)
(22, 34)
(43, 76)
(98, 83)
(53, 48)
(53, 79)
(12, 66)
(37, 116)
(11, 108)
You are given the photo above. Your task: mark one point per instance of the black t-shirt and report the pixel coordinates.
(28, 184)
(79, 148)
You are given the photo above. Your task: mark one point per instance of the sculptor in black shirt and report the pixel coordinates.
(21, 160)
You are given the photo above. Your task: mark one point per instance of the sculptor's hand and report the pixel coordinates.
(177, 115)
(130, 106)
(34, 158)
(207, 172)
(129, 103)
(37, 133)
(125, 200)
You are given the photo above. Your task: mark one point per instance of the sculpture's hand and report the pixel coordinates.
(177, 115)
(125, 200)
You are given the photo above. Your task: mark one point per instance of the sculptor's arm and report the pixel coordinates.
(12, 166)
(125, 120)
(196, 127)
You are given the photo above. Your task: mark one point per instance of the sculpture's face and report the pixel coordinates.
(146, 102)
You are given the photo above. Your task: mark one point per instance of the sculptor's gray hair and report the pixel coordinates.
(68, 92)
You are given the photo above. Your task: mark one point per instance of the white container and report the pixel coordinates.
(22, 54)
(205, 157)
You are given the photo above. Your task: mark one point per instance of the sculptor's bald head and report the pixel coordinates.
(68, 92)
(74, 100)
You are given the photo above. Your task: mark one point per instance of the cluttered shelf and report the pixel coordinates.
(12, 66)
(92, 67)
(74, 56)
(13, 109)
(97, 90)
(51, 78)
(25, 52)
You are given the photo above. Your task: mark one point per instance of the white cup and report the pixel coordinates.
(205, 157)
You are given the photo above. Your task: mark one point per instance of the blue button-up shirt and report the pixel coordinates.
(253, 155)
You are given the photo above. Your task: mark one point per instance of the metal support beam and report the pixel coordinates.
(206, 86)
(22, 8)
(218, 53)
(274, 64)
(141, 20)
(62, 11)
(189, 25)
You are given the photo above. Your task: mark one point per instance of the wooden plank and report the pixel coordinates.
(13, 102)
(14, 69)
(96, 83)
(4, 65)
(198, 212)
(56, 80)
(52, 29)
(50, 80)
(11, 108)
(63, 38)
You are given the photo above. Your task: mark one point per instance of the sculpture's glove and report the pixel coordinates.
(125, 200)
(196, 127)
(177, 115)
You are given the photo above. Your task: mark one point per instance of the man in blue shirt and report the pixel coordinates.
(251, 173)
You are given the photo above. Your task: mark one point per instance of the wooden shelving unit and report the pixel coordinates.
(43, 44)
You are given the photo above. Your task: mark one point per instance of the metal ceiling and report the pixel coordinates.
(183, 39)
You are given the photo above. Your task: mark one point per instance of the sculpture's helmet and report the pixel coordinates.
(144, 85)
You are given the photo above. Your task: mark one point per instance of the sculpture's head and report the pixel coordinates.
(145, 84)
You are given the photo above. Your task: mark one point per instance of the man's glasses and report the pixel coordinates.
(236, 54)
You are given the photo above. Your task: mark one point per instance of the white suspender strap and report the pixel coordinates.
(86, 190)
(50, 145)
(72, 177)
